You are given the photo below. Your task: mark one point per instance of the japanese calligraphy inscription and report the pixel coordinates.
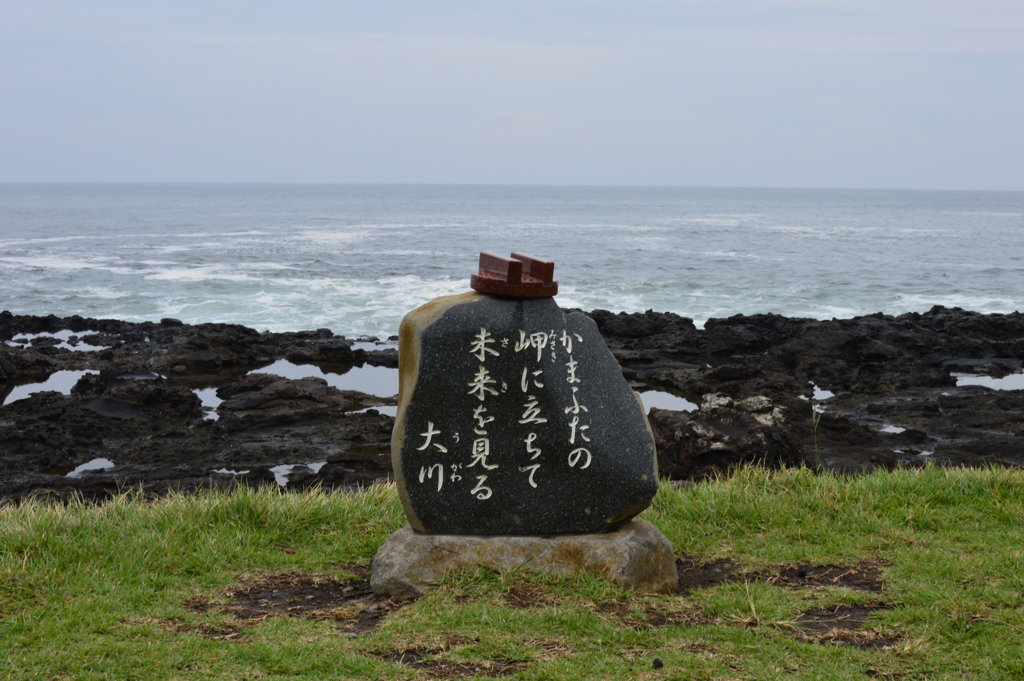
(514, 419)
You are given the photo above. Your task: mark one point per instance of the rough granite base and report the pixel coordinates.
(637, 555)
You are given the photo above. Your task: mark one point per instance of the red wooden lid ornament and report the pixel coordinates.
(521, 276)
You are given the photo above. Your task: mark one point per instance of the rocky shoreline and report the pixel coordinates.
(844, 396)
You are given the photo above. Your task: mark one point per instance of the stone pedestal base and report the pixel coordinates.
(637, 555)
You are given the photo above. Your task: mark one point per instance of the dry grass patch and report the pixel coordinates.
(844, 626)
(694, 574)
(641, 614)
(350, 603)
(433, 663)
(439, 668)
(864, 576)
(522, 594)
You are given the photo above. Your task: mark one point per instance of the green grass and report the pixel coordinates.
(103, 592)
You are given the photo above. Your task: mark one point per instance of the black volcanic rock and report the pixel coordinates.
(722, 433)
(896, 399)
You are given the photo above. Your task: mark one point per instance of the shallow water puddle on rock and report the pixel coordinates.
(94, 465)
(77, 471)
(817, 395)
(281, 472)
(25, 339)
(369, 379)
(59, 381)
(1011, 382)
(284, 470)
(821, 393)
(208, 396)
(662, 400)
(386, 409)
(233, 470)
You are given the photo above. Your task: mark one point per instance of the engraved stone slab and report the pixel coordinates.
(637, 555)
(514, 419)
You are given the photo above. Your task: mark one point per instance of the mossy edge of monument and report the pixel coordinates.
(409, 335)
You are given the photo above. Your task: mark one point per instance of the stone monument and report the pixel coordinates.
(517, 441)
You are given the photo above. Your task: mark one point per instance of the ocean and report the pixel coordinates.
(356, 258)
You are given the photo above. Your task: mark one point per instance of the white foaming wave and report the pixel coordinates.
(569, 227)
(613, 303)
(376, 307)
(220, 272)
(648, 243)
(828, 232)
(639, 229)
(264, 266)
(217, 235)
(321, 285)
(918, 232)
(351, 307)
(51, 239)
(403, 280)
(868, 232)
(698, 304)
(228, 246)
(979, 266)
(411, 290)
(419, 254)
(54, 262)
(831, 312)
(914, 302)
(615, 299)
(860, 229)
(794, 230)
(104, 293)
(115, 269)
(328, 236)
(201, 273)
(635, 229)
(713, 221)
(356, 288)
(377, 226)
(682, 253)
(286, 299)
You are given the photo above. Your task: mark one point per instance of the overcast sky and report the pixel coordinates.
(775, 93)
